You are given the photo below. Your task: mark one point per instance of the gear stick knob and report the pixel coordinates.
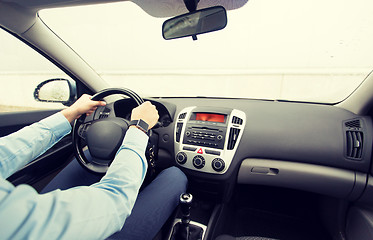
(185, 200)
(186, 230)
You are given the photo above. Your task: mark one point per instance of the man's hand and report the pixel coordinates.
(83, 105)
(147, 112)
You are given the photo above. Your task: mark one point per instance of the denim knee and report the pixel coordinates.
(177, 176)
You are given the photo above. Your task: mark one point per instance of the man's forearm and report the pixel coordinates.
(23, 146)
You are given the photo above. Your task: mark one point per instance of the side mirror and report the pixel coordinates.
(194, 23)
(57, 91)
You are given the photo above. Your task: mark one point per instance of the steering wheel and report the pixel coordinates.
(102, 133)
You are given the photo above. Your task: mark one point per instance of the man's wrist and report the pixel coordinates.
(69, 114)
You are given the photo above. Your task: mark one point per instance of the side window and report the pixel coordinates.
(22, 69)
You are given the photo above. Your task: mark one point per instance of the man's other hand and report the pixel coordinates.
(147, 112)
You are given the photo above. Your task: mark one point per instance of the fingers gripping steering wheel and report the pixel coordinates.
(102, 132)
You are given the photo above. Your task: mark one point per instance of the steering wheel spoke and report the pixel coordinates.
(82, 130)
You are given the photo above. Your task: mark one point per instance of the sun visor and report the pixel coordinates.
(171, 8)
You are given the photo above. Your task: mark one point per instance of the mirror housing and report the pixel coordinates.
(56, 90)
(194, 23)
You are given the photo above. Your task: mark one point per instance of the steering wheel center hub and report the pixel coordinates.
(105, 137)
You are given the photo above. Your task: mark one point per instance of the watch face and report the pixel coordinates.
(141, 124)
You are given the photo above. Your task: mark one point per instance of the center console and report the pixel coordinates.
(206, 138)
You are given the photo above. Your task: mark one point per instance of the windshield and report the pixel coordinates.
(297, 50)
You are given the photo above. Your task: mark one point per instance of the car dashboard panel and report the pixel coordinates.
(311, 147)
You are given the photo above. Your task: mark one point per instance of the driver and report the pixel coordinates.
(97, 210)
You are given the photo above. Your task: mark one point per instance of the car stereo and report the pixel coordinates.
(206, 138)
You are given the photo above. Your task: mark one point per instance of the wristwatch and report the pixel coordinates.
(140, 124)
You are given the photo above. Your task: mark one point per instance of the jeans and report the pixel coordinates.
(154, 204)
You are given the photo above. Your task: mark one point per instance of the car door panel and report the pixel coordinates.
(13, 121)
(38, 172)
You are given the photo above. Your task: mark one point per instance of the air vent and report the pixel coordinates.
(182, 115)
(354, 143)
(103, 115)
(233, 137)
(237, 120)
(353, 124)
(179, 127)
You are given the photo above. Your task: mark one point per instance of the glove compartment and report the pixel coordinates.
(335, 182)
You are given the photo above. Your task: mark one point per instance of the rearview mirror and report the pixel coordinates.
(194, 23)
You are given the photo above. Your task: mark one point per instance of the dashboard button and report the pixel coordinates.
(181, 158)
(198, 162)
(189, 148)
(218, 164)
(212, 152)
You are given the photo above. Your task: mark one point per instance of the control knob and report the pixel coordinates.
(218, 164)
(198, 161)
(181, 158)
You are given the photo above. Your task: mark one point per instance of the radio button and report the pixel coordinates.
(189, 148)
(198, 162)
(212, 152)
(219, 137)
(218, 164)
(181, 158)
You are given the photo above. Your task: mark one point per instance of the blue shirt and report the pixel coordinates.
(85, 212)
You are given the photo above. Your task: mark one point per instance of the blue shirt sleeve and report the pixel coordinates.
(85, 212)
(19, 148)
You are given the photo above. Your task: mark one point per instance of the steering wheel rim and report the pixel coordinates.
(93, 166)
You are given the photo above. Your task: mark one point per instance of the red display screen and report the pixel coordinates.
(209, 117)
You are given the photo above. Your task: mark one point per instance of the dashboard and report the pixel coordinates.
(221, 142)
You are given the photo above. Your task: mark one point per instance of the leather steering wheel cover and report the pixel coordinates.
(78, 150)
(111, 91)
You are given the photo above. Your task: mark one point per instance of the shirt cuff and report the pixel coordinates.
(135, 137)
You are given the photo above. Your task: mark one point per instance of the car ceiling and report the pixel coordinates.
(159, 8)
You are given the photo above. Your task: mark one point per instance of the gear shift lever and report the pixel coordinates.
(185, 201)
(184, 230)
(185, 204)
